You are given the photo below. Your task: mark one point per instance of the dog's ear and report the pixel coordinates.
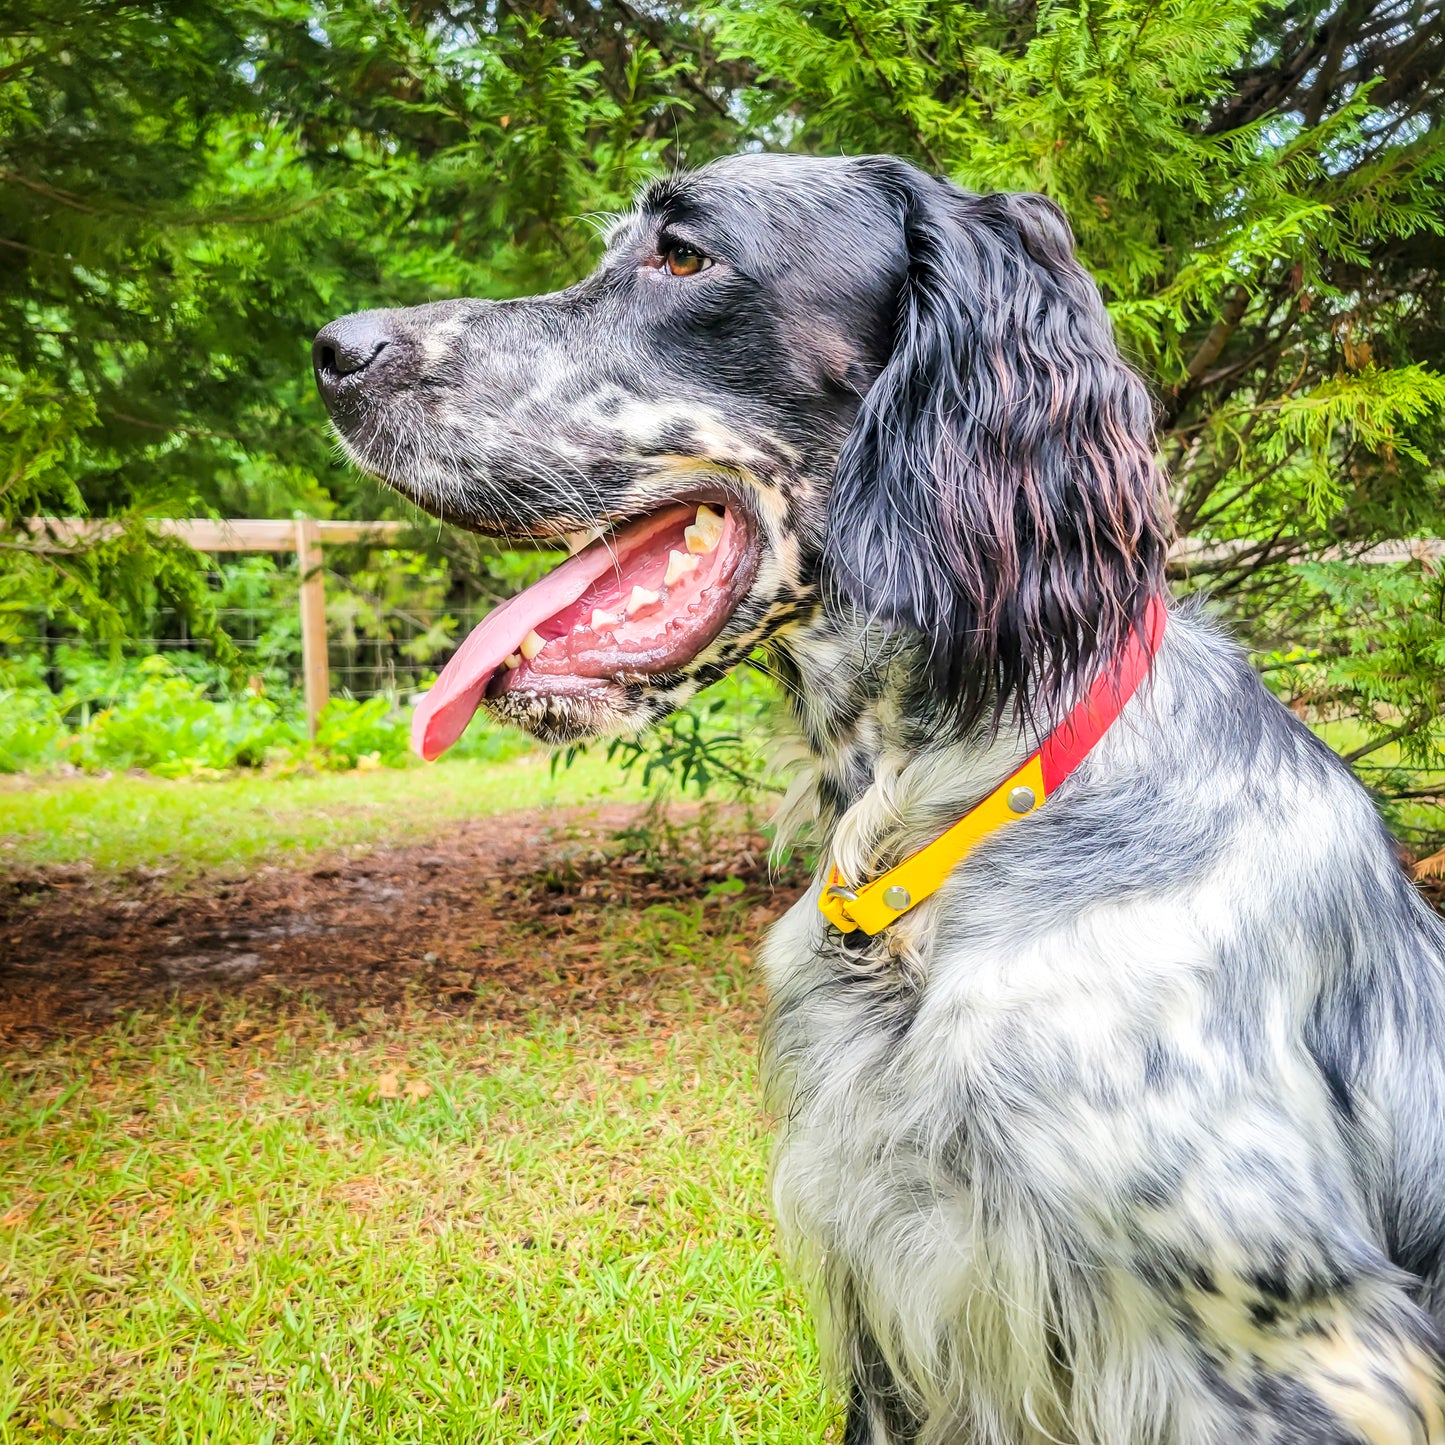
(998, 495)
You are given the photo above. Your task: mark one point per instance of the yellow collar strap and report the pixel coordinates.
(877, 904)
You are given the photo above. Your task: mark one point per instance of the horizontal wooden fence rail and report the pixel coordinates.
(207, 535)
(306, 536)
(1188, 550)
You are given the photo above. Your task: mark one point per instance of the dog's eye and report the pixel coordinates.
(684, 261)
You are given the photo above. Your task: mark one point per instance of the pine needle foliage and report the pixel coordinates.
(188, 191)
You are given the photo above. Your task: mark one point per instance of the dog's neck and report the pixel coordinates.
(883, 766)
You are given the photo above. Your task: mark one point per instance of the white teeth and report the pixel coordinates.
(705, 532)
(679, 564)
(532, 645)
(512, 662)
(576, 541)
(641, 598)
(601, 619)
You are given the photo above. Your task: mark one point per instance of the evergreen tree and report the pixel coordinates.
(188, 191)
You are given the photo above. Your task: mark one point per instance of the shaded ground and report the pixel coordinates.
(505, 911)
(502, 912)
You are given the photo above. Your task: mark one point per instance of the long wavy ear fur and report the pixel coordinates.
(998, 495)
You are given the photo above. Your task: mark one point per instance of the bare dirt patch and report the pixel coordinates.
(510, 913)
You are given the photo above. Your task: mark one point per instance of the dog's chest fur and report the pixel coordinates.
(963, 1153)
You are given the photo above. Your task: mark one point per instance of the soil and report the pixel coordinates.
(507, 913)
(507, 909)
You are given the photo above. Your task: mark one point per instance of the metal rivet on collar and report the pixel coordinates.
(897, 898)
(1021, 800)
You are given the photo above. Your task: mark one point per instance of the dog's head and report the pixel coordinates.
(791, 383)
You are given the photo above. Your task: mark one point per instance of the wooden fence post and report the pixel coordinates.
(315, 675)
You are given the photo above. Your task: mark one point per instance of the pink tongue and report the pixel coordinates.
(443, 714)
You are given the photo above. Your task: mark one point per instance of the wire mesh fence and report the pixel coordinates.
(357, 610)
(373, 649)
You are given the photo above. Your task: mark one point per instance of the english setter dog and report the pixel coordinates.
(1123, 1123)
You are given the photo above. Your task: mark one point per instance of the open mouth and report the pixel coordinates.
(642, 600)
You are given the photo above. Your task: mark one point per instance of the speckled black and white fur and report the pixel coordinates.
(1135, 1131)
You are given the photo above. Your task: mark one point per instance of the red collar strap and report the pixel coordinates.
(874, 906)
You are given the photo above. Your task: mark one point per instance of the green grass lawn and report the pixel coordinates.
(252, 1224)
(246, 819)
(550, 1235)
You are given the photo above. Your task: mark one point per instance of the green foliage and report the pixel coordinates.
(187, 192)
(31, 730)
(1382, 678)
(168, 726)
(156, 716)
(165, 723)
(719, 743)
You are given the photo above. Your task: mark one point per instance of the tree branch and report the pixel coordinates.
(49, 192)
(1393, 736)
(1209, 349)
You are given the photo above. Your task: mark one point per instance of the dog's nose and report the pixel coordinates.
(346, 348)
